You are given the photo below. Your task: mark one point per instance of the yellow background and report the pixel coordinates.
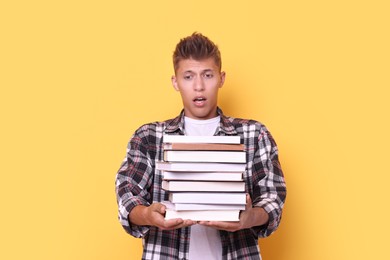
(78, 77)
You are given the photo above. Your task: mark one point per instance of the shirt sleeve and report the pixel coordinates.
(133, 182)
(269, 188)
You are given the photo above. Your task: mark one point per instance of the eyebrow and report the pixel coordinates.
(203, 71)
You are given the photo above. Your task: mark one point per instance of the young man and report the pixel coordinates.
(198, 78)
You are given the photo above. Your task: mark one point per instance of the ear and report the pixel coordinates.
(174, 83)
(223, 75)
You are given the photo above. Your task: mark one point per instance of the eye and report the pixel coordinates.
(208, 75)
(187, 77)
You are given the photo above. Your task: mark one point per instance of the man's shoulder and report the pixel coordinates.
(245, 123)
(153, 127)
(249, 128)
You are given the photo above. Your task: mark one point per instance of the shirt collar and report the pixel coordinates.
(225, 126)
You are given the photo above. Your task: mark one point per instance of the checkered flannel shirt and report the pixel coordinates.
(139, 183)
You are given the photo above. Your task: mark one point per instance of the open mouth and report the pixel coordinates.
(199, 99)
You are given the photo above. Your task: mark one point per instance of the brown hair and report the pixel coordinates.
(197, 47)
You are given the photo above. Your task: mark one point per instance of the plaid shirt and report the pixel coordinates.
(139, 183)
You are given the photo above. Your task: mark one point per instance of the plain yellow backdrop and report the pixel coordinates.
(78, 77)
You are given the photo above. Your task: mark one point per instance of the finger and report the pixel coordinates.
(173, 222)
(184, 223)
(189, 222)
(163, 209)
(221, 225)
(248, 202)
(160, 208)
(248, 199)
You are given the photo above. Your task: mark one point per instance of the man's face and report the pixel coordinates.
(198, 83)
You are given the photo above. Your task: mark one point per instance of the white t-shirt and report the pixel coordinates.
(205, 242)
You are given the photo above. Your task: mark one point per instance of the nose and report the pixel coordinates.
(198, 84)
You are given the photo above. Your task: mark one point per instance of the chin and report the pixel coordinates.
(204, 116)
(202, 113)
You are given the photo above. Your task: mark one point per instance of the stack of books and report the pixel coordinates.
(204, 177)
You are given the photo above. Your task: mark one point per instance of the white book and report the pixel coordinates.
(205, 156)
(200, 167)
(203, 176)
(208, 215)
(208, 197)
(192, 206)
(204, 186)
(203, 147)
(228, 139)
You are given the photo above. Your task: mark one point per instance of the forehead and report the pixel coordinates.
(196, 65)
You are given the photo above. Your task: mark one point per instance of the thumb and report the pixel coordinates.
(162, 208)
(248, 201)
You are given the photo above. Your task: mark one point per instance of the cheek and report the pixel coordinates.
(214, 91)
(185, 96)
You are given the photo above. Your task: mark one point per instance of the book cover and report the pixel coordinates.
(203, 176)
(200, 167)
(235, 139)
(208, 215)
(204, 186)
(203, 147)
(207, 198)
(192, 206)
(205, 156)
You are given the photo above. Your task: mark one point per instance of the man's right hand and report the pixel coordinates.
(153, 215)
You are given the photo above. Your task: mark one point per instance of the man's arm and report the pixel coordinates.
(133, 182)
(263, 211)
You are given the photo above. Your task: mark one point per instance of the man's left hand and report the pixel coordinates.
(250, 217)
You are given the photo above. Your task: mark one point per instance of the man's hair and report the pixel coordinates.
(197, 47)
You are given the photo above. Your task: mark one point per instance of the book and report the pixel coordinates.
(205, 156)
(203, 147)
(192, 206)
(207, 198)
(227, 139)
(200, 167)
(203, 176)
(208, 215)
(204, 186)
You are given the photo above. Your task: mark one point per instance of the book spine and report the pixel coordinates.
(200, 167)
(202, 176)
(201, 139)
(193, 206)
(212, 186)
(203, 147)
(215, 215)
(209, 198)
(205, 156)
